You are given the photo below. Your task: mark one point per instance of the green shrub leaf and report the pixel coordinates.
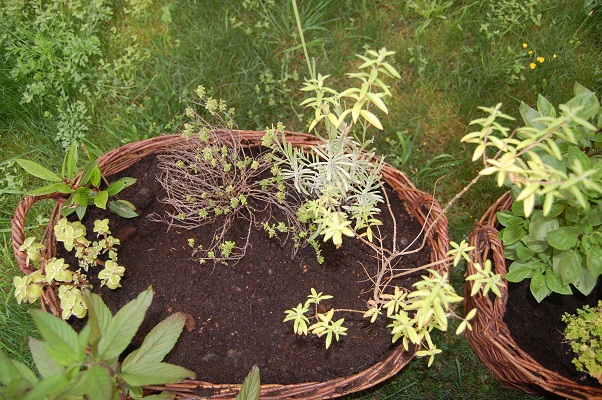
(554, 283)
(99, 316)
(54, 188)
(594, 260)
(251, 387)
(563, 238)
(38, 171)
(59, 335)
(518, 273)
(570, 267)
(123, 208)
(119, 185)
(44, 363)
(141, 374)
(538, 287)
(101, 198)
(97, 383)
(159, 341)
(11, 371)
(513, 234)
(123, 326)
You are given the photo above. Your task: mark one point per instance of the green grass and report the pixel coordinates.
(468, 55)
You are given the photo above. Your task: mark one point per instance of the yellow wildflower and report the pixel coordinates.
(554, 56)
(525, 45)
(540, 59)
(532, 65)
(530, 51)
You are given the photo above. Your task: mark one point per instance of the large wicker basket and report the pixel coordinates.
(490, 337)
(421, 205)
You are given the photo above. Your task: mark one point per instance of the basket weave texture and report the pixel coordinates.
(490, 337)
(420, 205)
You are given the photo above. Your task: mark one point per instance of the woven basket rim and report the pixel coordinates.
(420, 205)
(491, 338)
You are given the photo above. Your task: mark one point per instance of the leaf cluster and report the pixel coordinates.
(584, 333)
(553, 166)
(82, 187)
(55, 273)
(87, 364)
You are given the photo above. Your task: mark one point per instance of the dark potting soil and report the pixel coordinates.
(538, 329)
(235, 313)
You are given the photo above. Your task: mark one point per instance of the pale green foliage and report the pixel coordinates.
(584, 333)
(57, 273)
(552, 164)
(484, 279)
(324, 326)
(340, 176)
(86, 364)
(251, 387)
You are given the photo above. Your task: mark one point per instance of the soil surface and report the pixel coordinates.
(235, 312)
(538, 329)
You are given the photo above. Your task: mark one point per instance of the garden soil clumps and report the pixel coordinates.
(235, 312)
(538, 328)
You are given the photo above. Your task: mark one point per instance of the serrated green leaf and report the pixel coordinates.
(38, 171)
(159, 341)
(11, 371)
(123, 326)
(98, 383)
(59, 336)
(119, 185)
(251, 387)
(141, 374)
(44, 363)
(50, 387)
(99, 316)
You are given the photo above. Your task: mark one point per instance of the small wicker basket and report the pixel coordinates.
(420, 205)
(490, 337)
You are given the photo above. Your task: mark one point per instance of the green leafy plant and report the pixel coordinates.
(584, 333)
(553, 166)
(82, 187)
(87, 364)
(55, 273)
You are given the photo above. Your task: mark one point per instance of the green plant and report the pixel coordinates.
(553, 166)
(584, 333)
(212, 175)
(87, 364)
(55, 273)
(83, 188)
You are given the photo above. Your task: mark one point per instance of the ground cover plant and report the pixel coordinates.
(469, 54)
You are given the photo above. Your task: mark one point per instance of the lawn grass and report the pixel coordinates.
(452, 59)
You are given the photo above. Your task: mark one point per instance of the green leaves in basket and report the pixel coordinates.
(86, 364)
(84, 192)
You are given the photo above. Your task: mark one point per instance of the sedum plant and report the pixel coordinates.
(89, 364)
(584, 333)
(55, 273)
(552, 164)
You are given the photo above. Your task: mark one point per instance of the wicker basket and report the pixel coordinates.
(421, 205)
(490, 337)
